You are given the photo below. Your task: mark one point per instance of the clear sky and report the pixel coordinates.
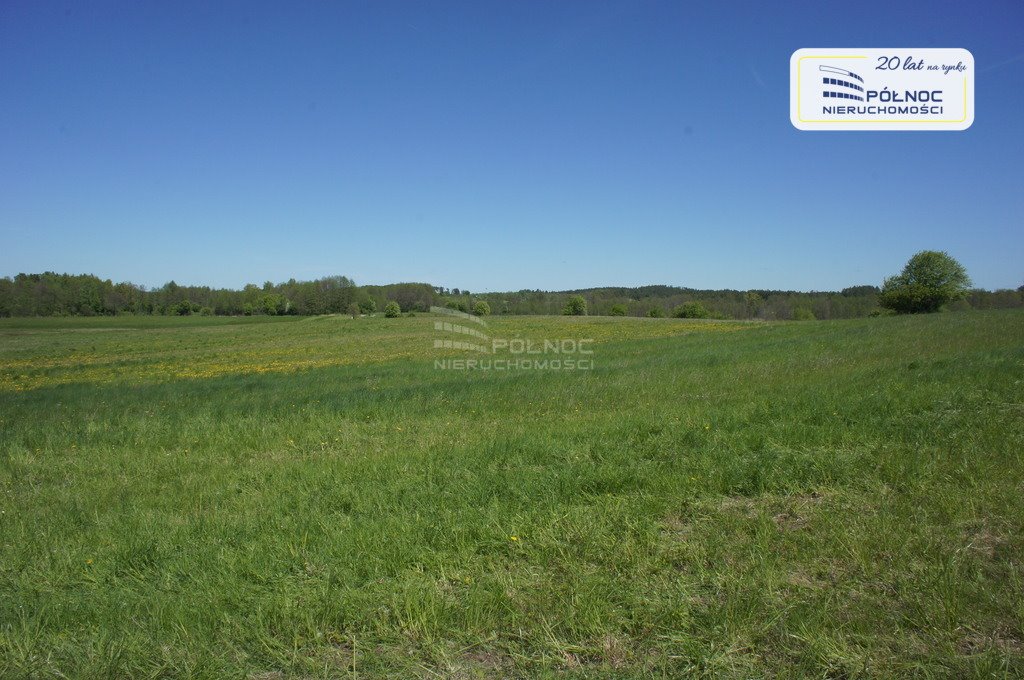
(490, 145)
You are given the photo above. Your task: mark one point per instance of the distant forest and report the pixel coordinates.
(51, 294)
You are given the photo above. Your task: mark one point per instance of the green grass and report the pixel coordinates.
(311, 498)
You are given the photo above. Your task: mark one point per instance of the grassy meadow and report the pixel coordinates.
(280, 497)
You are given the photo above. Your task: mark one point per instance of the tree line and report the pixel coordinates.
(52, 294)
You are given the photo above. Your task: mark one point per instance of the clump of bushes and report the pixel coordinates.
(184, 308)
(457, 306)
(392, 310)
(618, 310)
(691, 310)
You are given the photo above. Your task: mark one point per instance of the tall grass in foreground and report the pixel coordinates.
(823, 499)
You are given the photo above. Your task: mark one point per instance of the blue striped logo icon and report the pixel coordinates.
(838, 83)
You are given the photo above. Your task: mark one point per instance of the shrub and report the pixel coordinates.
(272, 304)
(691, 310)
(392, 310)
(367, 306)
(618, 310)
(656, 313)
(576, 306)
(803, 314)
(353, 310)
(481, 308)
(929, 280)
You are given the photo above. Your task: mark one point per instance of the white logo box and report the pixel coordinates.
(896, 88)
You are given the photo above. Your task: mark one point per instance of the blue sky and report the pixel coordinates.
(490, 145)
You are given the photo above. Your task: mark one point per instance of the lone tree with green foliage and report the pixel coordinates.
(618, 310)
(392, 310)
(929, 280)
(481, 308)
(576, 306)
